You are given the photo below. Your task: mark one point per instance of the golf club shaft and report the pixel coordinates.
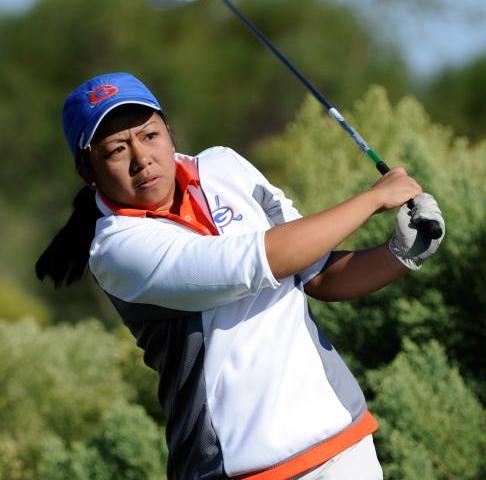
(431, 228)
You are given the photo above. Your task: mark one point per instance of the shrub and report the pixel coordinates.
(56, 383)
(431, 424)
(127, 444)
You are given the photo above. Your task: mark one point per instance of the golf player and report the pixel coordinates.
(208, 265)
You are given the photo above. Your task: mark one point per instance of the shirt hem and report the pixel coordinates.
(318, 454)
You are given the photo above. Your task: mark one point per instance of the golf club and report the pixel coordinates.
(429, 229)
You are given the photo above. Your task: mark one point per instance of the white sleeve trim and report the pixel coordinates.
(274, 283)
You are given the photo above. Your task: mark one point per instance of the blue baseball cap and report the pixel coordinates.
(85, 107)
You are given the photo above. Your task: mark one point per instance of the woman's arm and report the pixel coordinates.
(158, 263)
(349, 275)
(294, 246)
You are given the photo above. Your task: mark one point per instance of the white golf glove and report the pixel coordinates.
(407, 244)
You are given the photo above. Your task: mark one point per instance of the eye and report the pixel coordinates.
(115, 152)
(151, 135)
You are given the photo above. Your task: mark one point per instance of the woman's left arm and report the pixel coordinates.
(349, 275)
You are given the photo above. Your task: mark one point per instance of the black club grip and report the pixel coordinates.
(429, 229)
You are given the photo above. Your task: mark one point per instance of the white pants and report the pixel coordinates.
(358, 462)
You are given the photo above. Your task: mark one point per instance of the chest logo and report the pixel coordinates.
(223, 215)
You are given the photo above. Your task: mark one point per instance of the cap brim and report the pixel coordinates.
(83, 144)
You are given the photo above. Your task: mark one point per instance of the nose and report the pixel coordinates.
(140, 158)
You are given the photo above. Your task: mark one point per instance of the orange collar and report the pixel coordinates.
(193, 211)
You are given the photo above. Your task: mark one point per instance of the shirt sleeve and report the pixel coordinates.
(149, 261)
(279, 209)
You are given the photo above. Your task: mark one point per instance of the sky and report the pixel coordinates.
(452, 33)
(14, 5)
(446, 32)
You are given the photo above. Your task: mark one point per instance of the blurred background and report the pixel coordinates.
(76, 400)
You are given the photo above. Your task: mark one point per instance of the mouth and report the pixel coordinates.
(150, 182)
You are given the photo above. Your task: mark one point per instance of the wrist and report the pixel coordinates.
(373, 200)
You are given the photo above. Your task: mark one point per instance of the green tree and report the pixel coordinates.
(64, 402)
(319, 167)
(432, 426)
(127, 445)
(456, 97)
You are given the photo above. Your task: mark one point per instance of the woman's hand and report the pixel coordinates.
(394, 189)
(408, 244)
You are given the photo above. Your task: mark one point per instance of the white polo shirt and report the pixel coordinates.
(248, 382)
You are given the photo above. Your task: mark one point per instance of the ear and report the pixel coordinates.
(86, 176)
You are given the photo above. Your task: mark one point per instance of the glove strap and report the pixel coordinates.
(398, 251)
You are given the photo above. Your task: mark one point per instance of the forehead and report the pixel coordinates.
(123, 118)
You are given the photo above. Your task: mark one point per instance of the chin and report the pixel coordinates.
(151, 202)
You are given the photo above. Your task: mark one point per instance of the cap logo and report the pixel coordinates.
(101, 93)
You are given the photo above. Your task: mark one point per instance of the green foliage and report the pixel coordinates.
(16, 303)
(127, 445)
(320, 167)
(457, 97)
(57, 383)
(11, 464)
(432, 426)
(131, 443)
(59, 379)
(80, 462)
(64, 411)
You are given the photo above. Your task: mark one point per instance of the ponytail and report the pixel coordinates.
(66, 258)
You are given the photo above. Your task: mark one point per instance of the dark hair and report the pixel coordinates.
(66, 258)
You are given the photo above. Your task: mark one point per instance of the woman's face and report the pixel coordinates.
(132, 157)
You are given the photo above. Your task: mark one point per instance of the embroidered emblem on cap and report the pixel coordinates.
(101, 93)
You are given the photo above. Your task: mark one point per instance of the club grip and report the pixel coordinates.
(382, 167)
(429, 229)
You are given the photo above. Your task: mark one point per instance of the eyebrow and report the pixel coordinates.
(120, 138)
(144, 127)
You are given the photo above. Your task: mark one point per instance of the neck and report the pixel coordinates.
(176, 203)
